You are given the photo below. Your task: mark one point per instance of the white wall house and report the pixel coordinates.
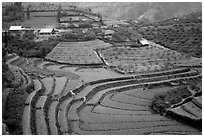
(46, 31)
(144, 42)
(16, 28)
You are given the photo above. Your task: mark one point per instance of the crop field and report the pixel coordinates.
(77, 52)
(185, 37)
(113, 86)
(105, 104)
(141, 59)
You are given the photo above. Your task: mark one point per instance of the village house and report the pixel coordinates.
(16, 28)
(46, 31)
(144, 42)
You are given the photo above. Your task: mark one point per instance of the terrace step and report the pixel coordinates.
(72, 113)
(191, 108)
(23, 63)
(179, 111)
(52, 118)
(38, 87)
(41, 102)
(41, 65)
(98, 109)
(27, 80)
(60, 83)
(41, 125)
(26, 120)
(40, 122)
(55, 67)
(108, 102)
(27, 109)
(186, 110)
(71, 85)
(10, 56)
(93, 97)
(17, 61)
(198, 101)
(12, 59)
(77, 127)
(85, 92)
(48, 83)
(62, 115)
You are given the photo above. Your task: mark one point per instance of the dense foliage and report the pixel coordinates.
(163, 101)
(25, 46)
(12, 12)
(181, 34)
(78, 35)
(122, 34)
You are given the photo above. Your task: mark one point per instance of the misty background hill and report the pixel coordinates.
(154, 11)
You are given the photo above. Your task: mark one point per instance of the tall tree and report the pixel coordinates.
(59, 14)
(28, 12)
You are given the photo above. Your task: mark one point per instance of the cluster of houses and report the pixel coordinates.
(42, 31)
(47, 31)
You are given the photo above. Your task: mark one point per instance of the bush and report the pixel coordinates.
(163, 101)
(159, 105)
(14, 110)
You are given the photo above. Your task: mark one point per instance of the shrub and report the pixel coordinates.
(163, 101)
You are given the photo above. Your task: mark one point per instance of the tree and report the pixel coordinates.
(28, 12)
(59, 14)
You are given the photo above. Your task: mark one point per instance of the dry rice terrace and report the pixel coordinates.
(90, 99)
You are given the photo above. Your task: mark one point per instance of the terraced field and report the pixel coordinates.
(182, 37)
(141, 59)
(67, 52)
(63, 103)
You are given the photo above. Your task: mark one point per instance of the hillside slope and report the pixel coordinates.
(154, 11)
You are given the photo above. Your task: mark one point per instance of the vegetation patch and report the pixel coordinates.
(14, 111)
(182, 34)
(141, 59)
(163, 101)
(77, 52)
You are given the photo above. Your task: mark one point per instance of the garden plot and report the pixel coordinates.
(141, 59)
(77, 52)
